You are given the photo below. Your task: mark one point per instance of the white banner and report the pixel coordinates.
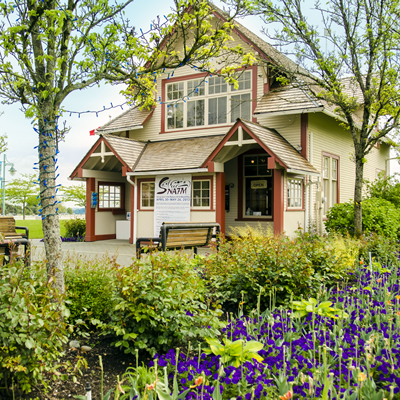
(171, 200)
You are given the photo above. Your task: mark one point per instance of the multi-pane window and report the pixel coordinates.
(207, 101)
(258, 186)
(330, 176)
(147, 195)
(294, 193)
(201, 193)
(110, 196)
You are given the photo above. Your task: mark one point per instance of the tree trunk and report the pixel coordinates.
(358, 193)
(48, 200)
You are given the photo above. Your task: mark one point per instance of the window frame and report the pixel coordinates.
(301, 206)
(114, 210)
(244, 177)
(329, 200)
(139, 193)
(210, 207)
(165, 108)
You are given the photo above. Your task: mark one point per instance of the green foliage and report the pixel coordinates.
(324, 309)
(75, 227)
(384, 250)
(379, 216)
(236, 352)
(387, 188)
(23, 192)
(32, 327)
(75, 194)
(161, 303)
(280, 267)
(89, 290)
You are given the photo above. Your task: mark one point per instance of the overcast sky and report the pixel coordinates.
(22, 138)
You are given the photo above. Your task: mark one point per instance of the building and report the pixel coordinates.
(261, 154)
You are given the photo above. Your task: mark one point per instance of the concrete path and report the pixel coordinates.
(122, 250)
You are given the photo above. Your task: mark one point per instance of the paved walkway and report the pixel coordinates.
(122, 250)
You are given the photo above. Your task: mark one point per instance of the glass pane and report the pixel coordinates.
(212, 111)
(326, 167)
(235, 107)
(196, 202)
(206, 184)
(250, 170)
(152, 202)
(196, 184)
(196, 193)
(256, 202)
(222, 109)
(334, 193)
(334, 168)
(245, 106)
(205, 202)
(206, 193)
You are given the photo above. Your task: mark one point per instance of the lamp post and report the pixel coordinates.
(12, 171)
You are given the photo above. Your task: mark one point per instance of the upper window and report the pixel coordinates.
(208, 101)
(294, 193)
(258, 186)
(330, 176)
(201, 193)
(110, 196)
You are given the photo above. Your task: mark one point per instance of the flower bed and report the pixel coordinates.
(311, 357)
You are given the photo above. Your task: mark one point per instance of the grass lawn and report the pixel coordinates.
(35, 227)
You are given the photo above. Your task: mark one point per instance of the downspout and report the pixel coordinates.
(134, 213)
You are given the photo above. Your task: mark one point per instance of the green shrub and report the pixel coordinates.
(280, 268)
(387, 188)
(32, 328)
(384, 250)
(89, 290)
(75, 227)
(161, 303)
(379, 216)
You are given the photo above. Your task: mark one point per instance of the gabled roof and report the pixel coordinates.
(127, 151)
(276, 144)
(177, 153)
(130, 119)
(273, 143)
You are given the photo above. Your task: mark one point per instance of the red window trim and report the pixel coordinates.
(115, 211)
(165, 81)
(204, 178)
(194, 178)
(240, 216)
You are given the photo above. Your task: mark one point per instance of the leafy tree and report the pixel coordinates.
(385, 187)
(3, 140)
(362, 39)
(75, 194)
(70, 211)
(22, 192)
(49, 49)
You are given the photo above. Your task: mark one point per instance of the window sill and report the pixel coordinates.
(255, 219)
(190, 129)
(115, 211)
(294, 209)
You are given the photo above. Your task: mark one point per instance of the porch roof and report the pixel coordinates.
(176, 154)
(276, 144)
(271, 141)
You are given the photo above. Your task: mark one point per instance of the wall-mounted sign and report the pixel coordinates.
(259, 184)
(171, 200)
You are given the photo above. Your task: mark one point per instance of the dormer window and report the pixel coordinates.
(207, 101)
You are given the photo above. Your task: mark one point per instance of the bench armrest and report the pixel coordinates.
(139, 241)
(25, 229)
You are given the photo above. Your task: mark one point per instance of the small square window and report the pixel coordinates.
(147, 195)
(201, 194)
(294, 193)
(110, 196)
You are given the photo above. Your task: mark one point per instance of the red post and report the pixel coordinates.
(278, 202)
(90, 212)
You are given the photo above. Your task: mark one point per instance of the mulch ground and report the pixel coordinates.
(115, 363)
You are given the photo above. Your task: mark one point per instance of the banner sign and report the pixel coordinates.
(171, 200)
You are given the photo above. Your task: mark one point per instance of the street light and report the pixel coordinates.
(12, 171)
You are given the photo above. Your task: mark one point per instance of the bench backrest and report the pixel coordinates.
(187, 234)
(7, 225)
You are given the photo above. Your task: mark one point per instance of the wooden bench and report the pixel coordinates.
(10, 239)
(180, 235)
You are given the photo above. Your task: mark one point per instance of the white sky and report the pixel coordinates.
(22, 138)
